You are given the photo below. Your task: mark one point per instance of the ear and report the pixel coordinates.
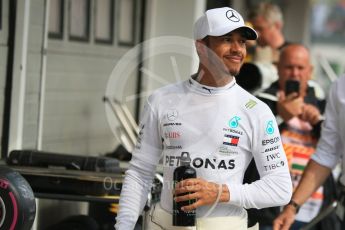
(278, 25)
(200, 46)
(311, 72)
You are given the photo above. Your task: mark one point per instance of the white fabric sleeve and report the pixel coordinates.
(327, 151)
(274, 188)
(139, 176)
(134, 193)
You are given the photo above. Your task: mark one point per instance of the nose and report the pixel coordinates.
(295, 74)
(235, 47)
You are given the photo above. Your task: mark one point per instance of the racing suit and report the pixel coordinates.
(222, 128)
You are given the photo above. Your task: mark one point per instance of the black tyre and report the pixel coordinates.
(17, 201)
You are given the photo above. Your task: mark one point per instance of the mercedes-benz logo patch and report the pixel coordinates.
(172, 115)
(232, 16)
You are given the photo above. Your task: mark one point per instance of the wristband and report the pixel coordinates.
(295, 205)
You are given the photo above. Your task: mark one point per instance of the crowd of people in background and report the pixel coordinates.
(299, 116)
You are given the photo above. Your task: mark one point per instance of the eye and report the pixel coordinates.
(227, 39)
(301, 68)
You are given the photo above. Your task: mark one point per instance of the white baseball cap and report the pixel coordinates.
(220, 21)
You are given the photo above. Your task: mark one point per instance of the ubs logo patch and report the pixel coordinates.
(172, 135)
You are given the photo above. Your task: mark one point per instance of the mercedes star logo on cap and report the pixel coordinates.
(232, 16)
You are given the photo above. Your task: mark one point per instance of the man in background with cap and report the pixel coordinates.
(221, 126)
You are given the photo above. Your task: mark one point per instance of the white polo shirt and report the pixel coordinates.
(331, 147)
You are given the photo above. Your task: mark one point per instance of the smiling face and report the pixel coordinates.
(225, 54)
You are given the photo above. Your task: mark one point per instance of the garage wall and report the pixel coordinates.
(3, 55)
(78, 71)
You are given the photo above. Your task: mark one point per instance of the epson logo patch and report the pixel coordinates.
(270, 141)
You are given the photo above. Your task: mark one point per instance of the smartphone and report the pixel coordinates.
(291, 86)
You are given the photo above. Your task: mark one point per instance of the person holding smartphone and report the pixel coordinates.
(330, 151)
(298, 113)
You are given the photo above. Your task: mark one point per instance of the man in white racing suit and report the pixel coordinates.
(221, 126)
